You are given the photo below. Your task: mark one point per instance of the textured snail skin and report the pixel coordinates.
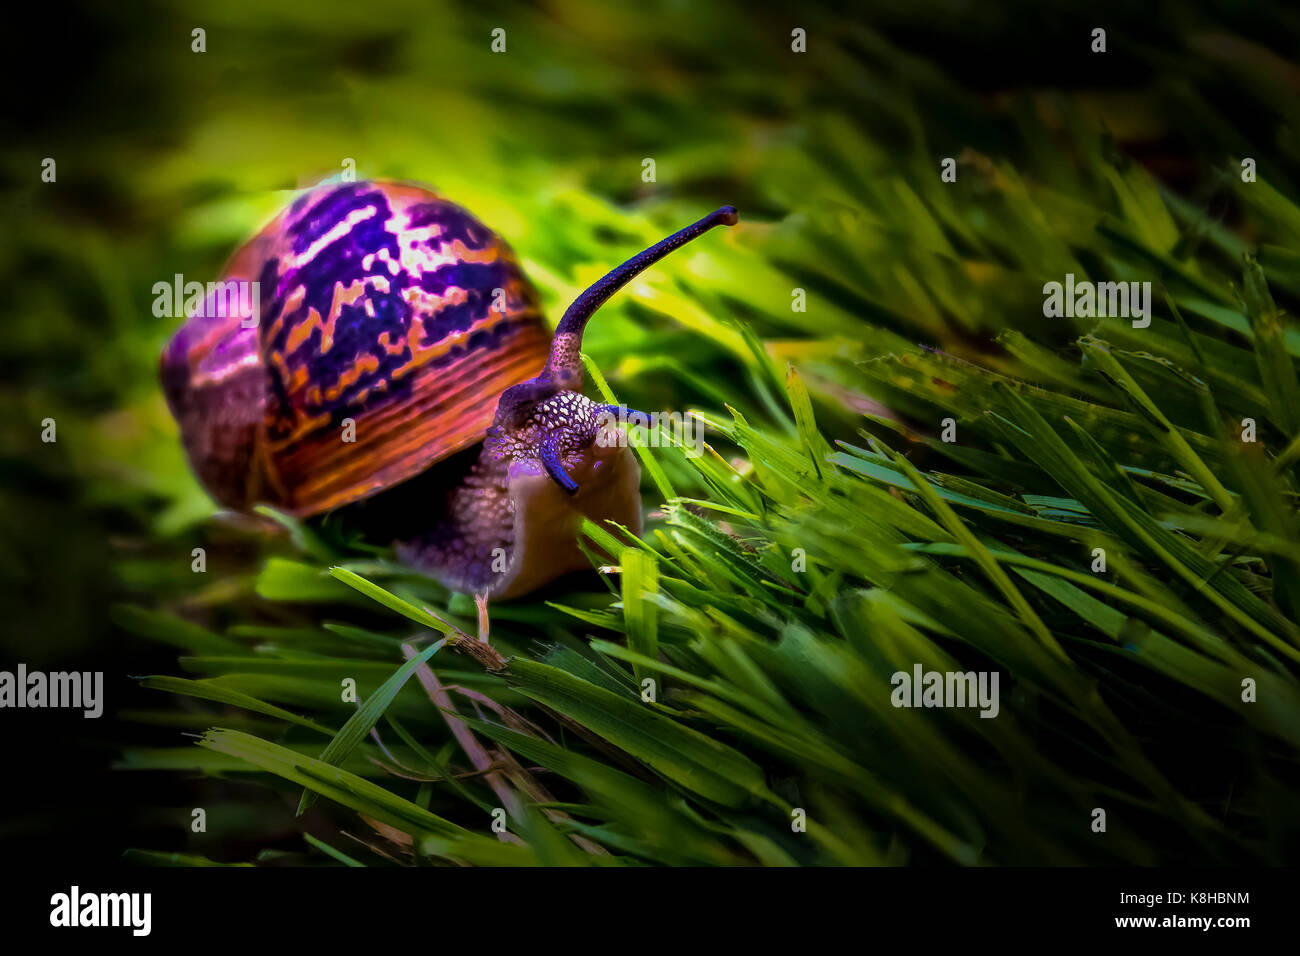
(386, 309)
(509, 528)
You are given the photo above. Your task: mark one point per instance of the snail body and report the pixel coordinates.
(394, 330)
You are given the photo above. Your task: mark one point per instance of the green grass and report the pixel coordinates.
(829, 537)
(770, 611)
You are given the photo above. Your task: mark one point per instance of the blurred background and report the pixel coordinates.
(168, 158)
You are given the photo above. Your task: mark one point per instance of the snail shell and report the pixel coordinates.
(380, 303)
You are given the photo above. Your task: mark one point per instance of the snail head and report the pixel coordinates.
(546, 422)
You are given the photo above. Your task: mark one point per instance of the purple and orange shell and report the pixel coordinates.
(387, 315)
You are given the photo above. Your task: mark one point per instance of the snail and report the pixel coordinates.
(395, 334)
